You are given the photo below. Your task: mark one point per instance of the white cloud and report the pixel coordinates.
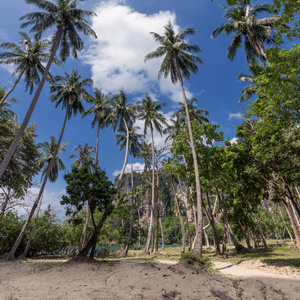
(234, 140)
(236, 116)
(137, 167)
(117, 56)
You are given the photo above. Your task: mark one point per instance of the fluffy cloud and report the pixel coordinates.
(117, 56)
(235, 116)
(137, 167)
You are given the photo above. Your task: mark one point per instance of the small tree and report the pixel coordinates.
(95, 188)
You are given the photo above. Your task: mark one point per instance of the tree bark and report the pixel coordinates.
(24, 124)
(152, 197)
(162, 235)
(287, 229)
(198, 247)
(14, 85)
(19, 239)
(4, 204)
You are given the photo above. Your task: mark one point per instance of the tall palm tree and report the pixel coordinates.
(100, 109)
(5, 111)
(250, 90)
(195, 114)
(134, 149)
(121, 115)
(28, 61)
(58, 165)
(67, 18)
(145, 153)
(68, 91)
(178, 62)
(84, 156)
(149, 112)
(243, 22)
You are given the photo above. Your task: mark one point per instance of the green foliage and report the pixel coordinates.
(172, 230)
(24, 164)
(191, 259)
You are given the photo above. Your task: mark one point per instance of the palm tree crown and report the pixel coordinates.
(244, 23)
(175, 49)
(84, 156)
(44, 162)
(28, 61)
(148, 111)
(69, 91)
(67, 17)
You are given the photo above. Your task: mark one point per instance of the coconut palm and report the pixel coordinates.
(29, 61)
(174, 128)
(67, 19)
(5, 111)
(177, 63)
(243, 22)
(145, 153)
(84, 156)
(149, 112)
(121, 115)
(68, 91)
(195, 114)
(250, 90)
(100, 109)
(58, 165)
(134, 149)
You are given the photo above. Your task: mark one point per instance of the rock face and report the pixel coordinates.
(166, 196)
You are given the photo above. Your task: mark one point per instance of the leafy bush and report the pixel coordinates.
(191, 259)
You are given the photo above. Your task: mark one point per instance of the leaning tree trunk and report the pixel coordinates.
(157, 214)
(198, 247)
(84, 232)
(287, 229)
(126, 156)
(97, 144)
(24, 255)
(19, 239)
(152, 197)
(131, 211)
(259, 229)
(4, 204)
(14, 85)
(24, 124)
(162, 235)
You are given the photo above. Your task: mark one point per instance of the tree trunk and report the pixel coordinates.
(293, 223)
(287, 229)
(259, 228)
(24, 255)
(152, 196)
(157, 213)
(4, 204)
(24, 124)
(14, 85)
(198, 247)
(162, 235)
(97, 144)
(131, 211)
(244, 233)
(19, 239)
(93, 240)
(84, 232)
(180, 218)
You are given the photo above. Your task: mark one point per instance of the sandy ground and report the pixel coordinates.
(141, 279)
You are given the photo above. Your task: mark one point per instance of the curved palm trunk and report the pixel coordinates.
(12, 252)
(84, 232)
(131, 211)
(152, 196)
(12, 88)
(126, 155)
(198, 247)
(24, 255)
(97, 144)
(20, 132)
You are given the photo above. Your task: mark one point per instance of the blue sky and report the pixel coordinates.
(116, 60)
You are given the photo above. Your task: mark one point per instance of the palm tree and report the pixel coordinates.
(134, 149)
(145, 153)
(250, 90)
(148, 111)
(100, 109)
(5, 111)
(58, 165)
(84, 156)
(174, 128)
(121, 115)
(67, 18)
(178, 62)
(244, 24)
(195, 114)
(68, 91)
(29, 61)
